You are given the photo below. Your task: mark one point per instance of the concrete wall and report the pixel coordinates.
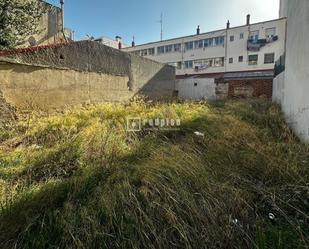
(41, 88)
(196, 89)
(295, 101)
(278, 89)
(78, 73)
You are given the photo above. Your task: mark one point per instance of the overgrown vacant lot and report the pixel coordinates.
(80, 180)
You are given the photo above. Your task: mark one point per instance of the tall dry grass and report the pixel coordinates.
(80, 180)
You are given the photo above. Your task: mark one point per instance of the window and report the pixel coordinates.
(144, 52)
(151, 51)
(209, 62)
(160, 50)
(271, 32)
(221, 40)
(189, 45)
(195, 84)
(217, 41)
(230, 60)
(199, 44)
(168, 48)
(219, 62)
(232, 38)
(253, 59)
(188, 64)
(177, 47)
(269, 58)
(254, 35)
(240, 59)
(196, 44)
(241, 36)
(208, 42)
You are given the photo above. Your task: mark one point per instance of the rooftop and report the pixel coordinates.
(209, 32)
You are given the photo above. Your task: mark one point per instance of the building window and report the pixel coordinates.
(177, 47)
(144, 52)
(241, 36)
(209, 62)
(253, 59)
(217, 41)
(231, 60)
(232, 38)
(199, 44)
(195, 84)
(168, 48)
(221, 40)
(219, 62)
(189, 45)
(208, 42)
(271, 32)
(188, 64)
(151, 51)
(269, 58)
(254, 35)
(160, 50)
(240, 58)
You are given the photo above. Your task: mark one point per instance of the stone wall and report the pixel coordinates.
(79, 73)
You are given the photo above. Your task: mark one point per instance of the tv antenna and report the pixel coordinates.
(161, 23)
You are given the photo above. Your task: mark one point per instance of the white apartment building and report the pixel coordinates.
(243, 49)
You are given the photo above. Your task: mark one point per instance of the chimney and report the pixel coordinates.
(198, 30)
(228, 24)
(248, 20)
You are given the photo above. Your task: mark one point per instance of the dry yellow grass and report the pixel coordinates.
(80, 180)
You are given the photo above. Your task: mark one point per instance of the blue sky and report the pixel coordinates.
(141, 17)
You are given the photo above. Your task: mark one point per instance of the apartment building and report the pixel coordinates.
(240, 53)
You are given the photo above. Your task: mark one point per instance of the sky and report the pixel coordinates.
(140, 18)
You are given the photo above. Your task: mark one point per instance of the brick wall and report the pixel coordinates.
(250, 88)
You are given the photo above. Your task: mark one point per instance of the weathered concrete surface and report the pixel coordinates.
(83, 56)
(33, 87)
(151, 79)
(294, 85)
(7, 112)
(78, 73)
(196, 88)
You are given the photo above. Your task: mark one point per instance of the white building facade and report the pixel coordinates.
(291, 87)
(252, 47)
